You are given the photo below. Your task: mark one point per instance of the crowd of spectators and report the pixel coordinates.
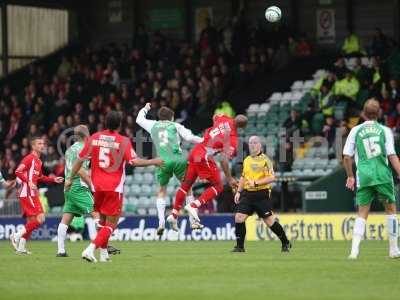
(192, 79)
(337, 97)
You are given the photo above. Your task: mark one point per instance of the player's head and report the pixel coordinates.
(241, 121)
(113, 120)
(81, 132)
(37, 144)
(255, 145)
(166, 114)
(371, 109)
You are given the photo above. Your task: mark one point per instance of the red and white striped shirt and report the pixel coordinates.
(30, 169)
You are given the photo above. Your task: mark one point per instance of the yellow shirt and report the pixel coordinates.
(256, 168)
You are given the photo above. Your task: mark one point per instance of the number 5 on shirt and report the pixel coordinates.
(104, 157)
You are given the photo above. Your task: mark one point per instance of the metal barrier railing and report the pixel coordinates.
(9, 207)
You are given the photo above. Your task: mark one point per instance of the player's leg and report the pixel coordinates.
(161, 204)
(240, 231)
(32, 224)
(101, 241)
(62, 233)
(273, 224)
(392, 228)
(71, 208)
(109, 204)
(387, 195)
(364, 197)
(210, 172)
(181, 193)
(262, 206)
(180, 172)
(163, 177)
(33, 211)
(243, 210)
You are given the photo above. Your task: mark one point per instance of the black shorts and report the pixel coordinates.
(258, 202)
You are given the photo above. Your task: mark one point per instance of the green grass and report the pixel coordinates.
(202, 270)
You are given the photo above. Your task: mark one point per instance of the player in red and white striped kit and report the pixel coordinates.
(220, 139)
(108, 152)
(29, 174)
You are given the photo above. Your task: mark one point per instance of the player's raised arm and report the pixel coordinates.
(187, 135)
(142, 121)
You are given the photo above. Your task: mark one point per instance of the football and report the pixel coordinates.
(273, 14)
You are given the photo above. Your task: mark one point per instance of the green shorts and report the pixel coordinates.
(170, 168)
(78, 201)
(383, 192)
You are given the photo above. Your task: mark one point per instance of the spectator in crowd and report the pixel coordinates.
(293, 123)
(394, 90)
(326, 100)
(347, 88)
(379, 43)
(352, 45)
(303, 48)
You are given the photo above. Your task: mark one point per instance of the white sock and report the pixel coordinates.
(190, 199)
(392, 228)
(61, 235)
(161, 203)
(104, 252)
(358, 233)
(20, 233)
(91, 248)
(22, 245)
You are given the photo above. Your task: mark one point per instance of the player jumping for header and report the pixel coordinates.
(166, 135)
(220, 139)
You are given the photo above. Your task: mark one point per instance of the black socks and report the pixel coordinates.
(280, 233)
(240, 234)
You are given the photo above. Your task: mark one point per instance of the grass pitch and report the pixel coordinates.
(202, 270)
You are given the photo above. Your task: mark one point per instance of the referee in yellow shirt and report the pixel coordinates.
(253, 195)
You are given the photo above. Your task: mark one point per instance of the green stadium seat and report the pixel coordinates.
(137, 178)
(146, 190)
(135, 190)
(309, 164)
(139, 170)
(149, 169)
(148, 178)
(129, 179)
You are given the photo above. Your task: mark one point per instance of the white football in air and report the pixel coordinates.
(273, 14)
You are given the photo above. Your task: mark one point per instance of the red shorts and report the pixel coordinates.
(203, 166)
(108, 203)
(30, 206)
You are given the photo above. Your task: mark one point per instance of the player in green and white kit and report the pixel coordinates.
(166, 135)
(372, 145)
(78, 199)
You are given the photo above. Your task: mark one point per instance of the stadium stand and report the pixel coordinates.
(193, 81)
